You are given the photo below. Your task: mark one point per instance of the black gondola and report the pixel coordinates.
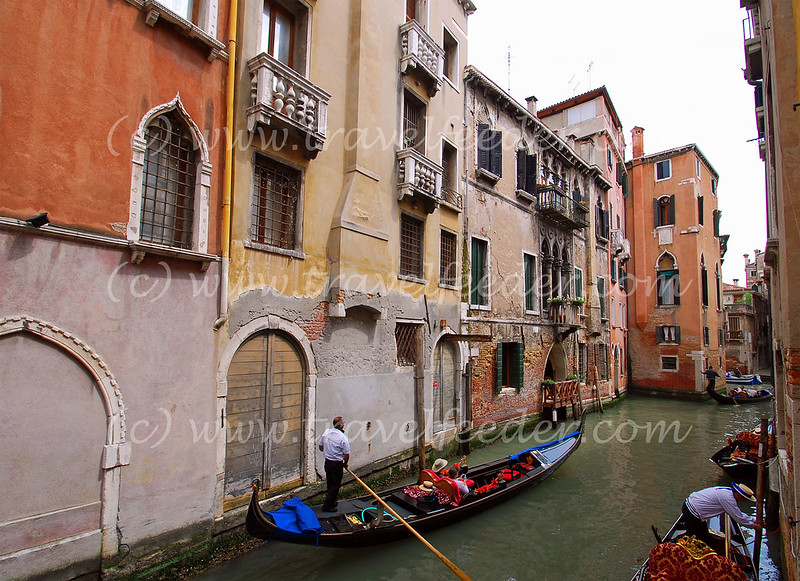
(738, 468)
(739, 551)
(724, 399)
(362, 522)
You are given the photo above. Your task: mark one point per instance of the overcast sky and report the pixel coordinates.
(673, 68)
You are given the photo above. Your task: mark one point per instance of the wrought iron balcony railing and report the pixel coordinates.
(284, 99)
(560, 208)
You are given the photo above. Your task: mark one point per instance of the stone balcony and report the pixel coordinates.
(560, 208)
(285, 100)
(419, 178)
(421, 53)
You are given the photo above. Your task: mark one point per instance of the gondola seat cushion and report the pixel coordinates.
(670, 561)
(296, 517)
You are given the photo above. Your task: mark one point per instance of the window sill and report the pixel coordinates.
(480, 308)
(154, 11)
(506, 391)
(487, 175)
(525, 196)
(274, 249)
(448, 286)
(410, 278)
(140, 249)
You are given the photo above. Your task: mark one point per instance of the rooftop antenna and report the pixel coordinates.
(573, 86)
(589, 75)
(509, 68)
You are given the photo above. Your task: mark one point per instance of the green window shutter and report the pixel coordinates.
(518, 369)
(483, 146)
(678, 335)
(700, 209)
(496, 153)
(476, 294)
(672, 209)
(521, 167)
(530, 266)
(531, 171)
(659, 334)
(624, 185)
(499, 373)
(676, 281)
(656, 221)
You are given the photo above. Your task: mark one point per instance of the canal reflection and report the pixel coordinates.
(590, 520)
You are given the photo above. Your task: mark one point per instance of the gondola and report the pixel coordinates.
(724, 399)
(742, 379)
(739, 456)
(738, 468)
(363, 522)
(673, 554)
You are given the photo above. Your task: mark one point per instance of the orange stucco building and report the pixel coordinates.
(676, 322)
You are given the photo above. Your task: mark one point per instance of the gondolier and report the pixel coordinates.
(711, 376)
(704, 504)
(336, 448)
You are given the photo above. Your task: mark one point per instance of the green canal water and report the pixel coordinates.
(590, 520)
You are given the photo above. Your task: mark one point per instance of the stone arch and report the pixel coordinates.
(461, 349)
(666, 255)
(557, 365)
(117, 448)
(303, 345)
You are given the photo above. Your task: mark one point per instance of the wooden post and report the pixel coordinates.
(419, 394)
(763, 454)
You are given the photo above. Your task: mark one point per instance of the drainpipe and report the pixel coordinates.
(228, 175)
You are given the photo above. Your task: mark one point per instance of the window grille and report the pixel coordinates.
(447, 260)
(277, 195)
(413, 124)
(170, 170)
(405, 336)
(411, 238)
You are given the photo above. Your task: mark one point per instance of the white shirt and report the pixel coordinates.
(462, 487)
(716, 500)
(334, 444)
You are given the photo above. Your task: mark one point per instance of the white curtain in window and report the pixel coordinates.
(182, 8)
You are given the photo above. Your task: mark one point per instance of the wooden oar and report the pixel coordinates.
(727, 528)
(461, 575)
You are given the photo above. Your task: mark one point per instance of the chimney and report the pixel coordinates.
(531, 101)
(638, 141)
(735, 282)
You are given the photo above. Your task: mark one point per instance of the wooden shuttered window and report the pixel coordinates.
(668, 334)
(490, 150)
(530, 283)
(527, 170)
(664, 211)
(700, 210)
(478, 273)
(510, 370)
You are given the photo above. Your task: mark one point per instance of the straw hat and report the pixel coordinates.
(744, 490)
(427, 486)
(439, 464)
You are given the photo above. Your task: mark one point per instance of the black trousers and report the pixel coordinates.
(697, 527)
(334, 470)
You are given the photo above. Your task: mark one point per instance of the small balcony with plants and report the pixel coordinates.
(559, 207)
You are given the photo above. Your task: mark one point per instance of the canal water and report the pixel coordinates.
(590, 520)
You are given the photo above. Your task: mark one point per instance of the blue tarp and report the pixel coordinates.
(296, 517)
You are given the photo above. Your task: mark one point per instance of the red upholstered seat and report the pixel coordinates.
(449, 487)
(429, 476)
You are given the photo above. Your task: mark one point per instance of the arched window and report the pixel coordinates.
(170, 183)
(664, 211)
(566, 274)
(704, 280)
(547, 261)
(668, 281)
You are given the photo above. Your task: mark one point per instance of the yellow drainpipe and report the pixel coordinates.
(228, 175)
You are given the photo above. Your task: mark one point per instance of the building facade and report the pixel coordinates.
(771, 32)
(110, 194)
(531, 236)
(343, 294)
(676, 318)
(590, 124)
(747, 345)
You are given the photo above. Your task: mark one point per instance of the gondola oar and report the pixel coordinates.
(461, 575)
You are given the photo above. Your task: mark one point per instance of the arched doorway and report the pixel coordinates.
(265, 409)
(446, 380)
(556, 367)
(61, 416)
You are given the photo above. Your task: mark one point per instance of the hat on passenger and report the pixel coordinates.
(426, 486)
(744, 490)
(439, 464)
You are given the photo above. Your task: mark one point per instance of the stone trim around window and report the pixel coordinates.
(202, 191)
(205, 32)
